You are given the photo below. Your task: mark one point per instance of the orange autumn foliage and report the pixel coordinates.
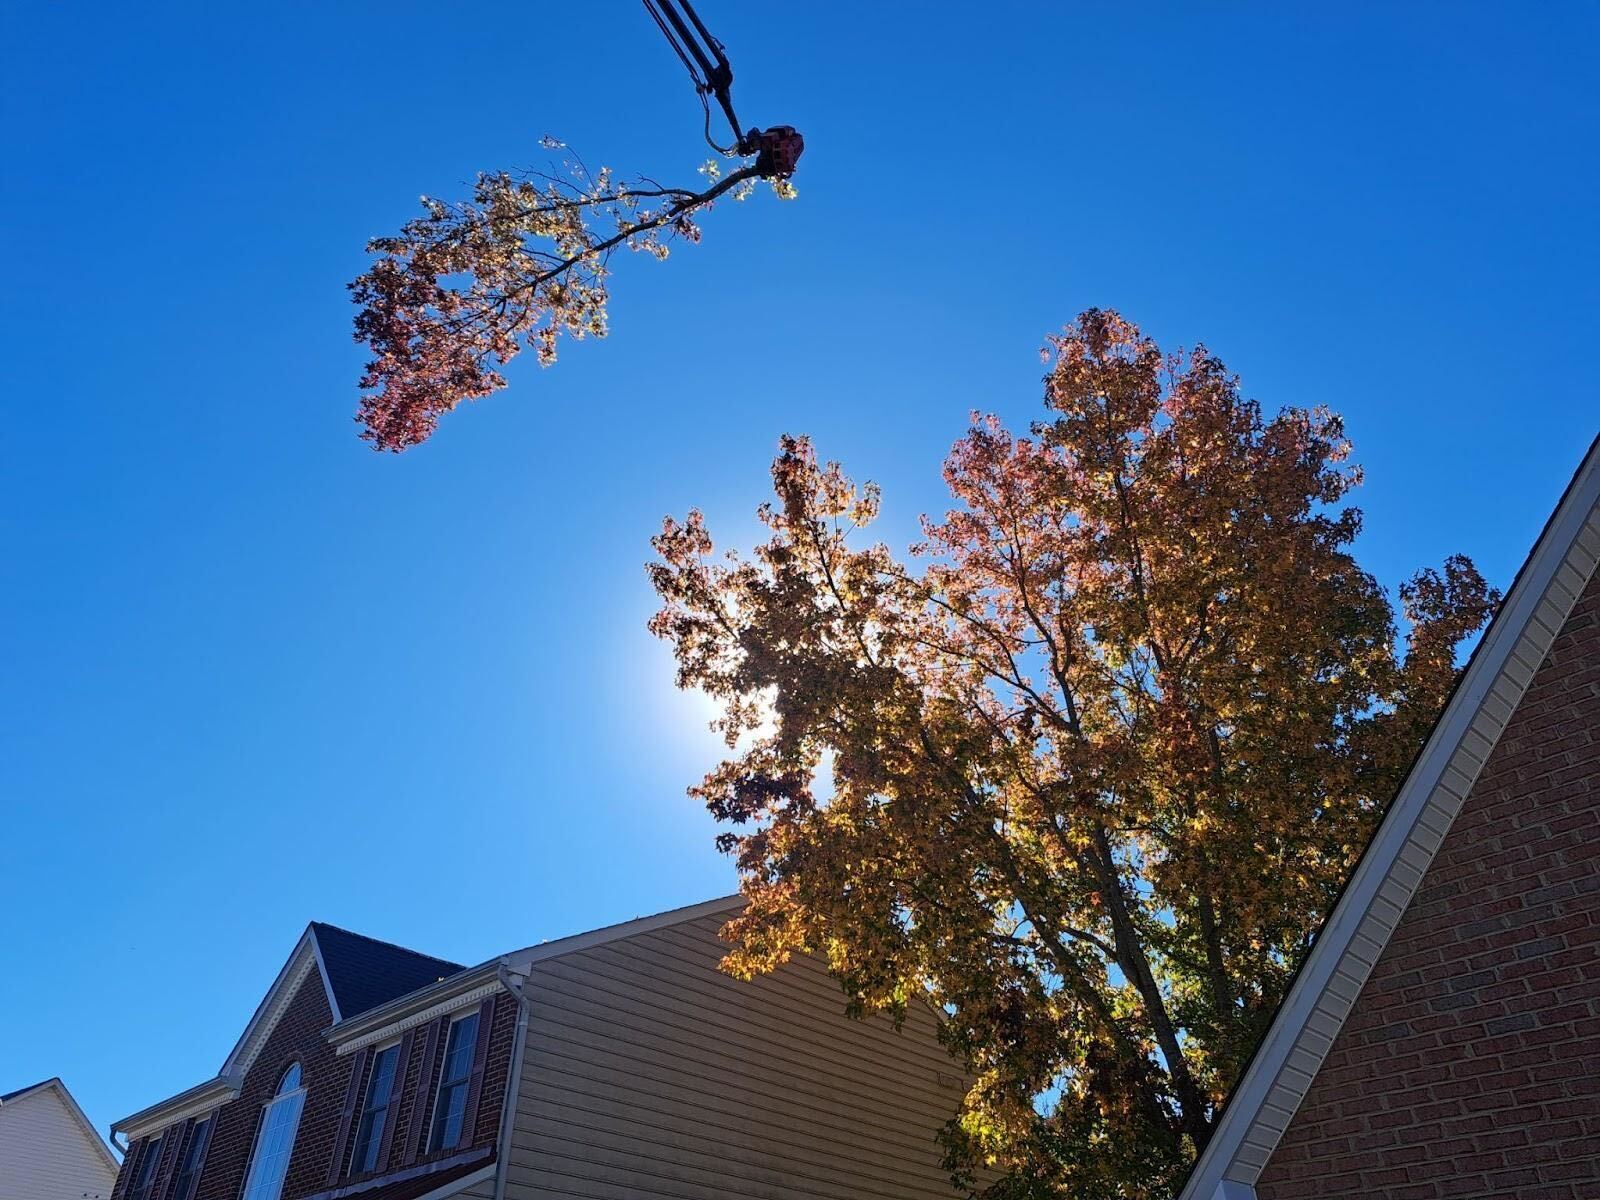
(1101, 750)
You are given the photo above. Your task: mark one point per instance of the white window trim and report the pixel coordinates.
(261, 1124)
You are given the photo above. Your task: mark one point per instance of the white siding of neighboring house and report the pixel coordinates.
(45, 1153)
(648, 1073)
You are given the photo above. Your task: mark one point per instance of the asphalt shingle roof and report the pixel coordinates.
(364, 972)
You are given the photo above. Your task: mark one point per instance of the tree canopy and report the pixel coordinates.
(1087, 766)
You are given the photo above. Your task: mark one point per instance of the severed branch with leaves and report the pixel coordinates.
(463, 289)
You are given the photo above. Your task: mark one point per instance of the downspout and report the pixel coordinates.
(512, 982)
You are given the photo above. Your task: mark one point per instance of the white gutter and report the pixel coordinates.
(512, 981)
(190, 1102)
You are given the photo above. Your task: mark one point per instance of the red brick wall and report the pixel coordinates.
(298, 1037)
(1470, 1066)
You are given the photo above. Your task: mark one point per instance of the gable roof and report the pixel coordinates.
(54, 1083)
(357, 974)
(363, 972)
(1355, 933)
(304, 959)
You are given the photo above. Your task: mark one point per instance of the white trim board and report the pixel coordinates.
(1327, 986)
(417, 1007)
(522, 960)
(459, 1185)
(307, 955)
(454, 1002)
(192, 1102)
(472, 985)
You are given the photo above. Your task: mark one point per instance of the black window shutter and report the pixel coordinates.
(167, 1165)
(158, 1181)
(352, 1098)
(480, 1056)
(150, 1144)
(402, 1060)
(417, 1132)
(130, 1169)
(154, 1142)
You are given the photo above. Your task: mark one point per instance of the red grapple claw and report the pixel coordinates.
(777, 150)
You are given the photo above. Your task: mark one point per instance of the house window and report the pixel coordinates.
(450, 1106)
(194, 1157)
(375, 1110)
(147, 1170)
(275, 1141)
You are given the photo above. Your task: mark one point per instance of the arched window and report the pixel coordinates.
(275, 1141)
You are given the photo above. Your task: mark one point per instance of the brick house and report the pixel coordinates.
(1443, 1036)
(615, 1063)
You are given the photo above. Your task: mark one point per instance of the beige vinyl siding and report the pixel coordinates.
(649, 1073)
(46, 1154)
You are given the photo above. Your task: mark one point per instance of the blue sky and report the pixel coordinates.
(255, 674)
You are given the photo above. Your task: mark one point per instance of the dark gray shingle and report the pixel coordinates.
(365, 972)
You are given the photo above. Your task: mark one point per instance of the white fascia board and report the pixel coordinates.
(23, 1095)
(306, 956)
(522, 960)
(87, 1126)
(327, 980)
(459, 991)
(459, 1185)
(193, 1102)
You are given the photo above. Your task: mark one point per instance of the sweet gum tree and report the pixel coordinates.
(1098, 753)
